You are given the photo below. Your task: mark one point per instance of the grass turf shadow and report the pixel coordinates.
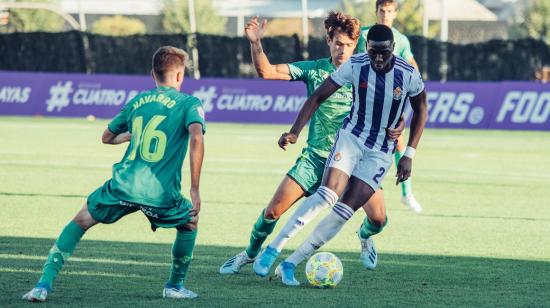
(120, 274)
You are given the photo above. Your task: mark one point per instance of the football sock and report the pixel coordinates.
(406, 186)
(60, 252)
(260, 231)
(368, 229)
(324, 232)
(182, 253)
(308, 210)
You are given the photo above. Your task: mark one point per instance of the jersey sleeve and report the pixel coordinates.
(362, 41)
(405, 52)
(343, 74)
(119, 124)
(299, 70)
(416, 85)
(195, 114)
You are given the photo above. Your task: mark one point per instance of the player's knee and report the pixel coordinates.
(378, 220)
(272, 212)
(85, 220)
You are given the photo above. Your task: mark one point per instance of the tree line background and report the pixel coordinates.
(534, 21)
(123, 45)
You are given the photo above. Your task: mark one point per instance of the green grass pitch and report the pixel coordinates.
(482, 240)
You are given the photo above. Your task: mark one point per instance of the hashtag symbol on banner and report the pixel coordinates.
(59, 96)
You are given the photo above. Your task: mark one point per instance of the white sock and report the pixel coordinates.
(309, 209)
(324, 232)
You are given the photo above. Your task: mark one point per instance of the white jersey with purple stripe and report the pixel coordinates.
(378, 98)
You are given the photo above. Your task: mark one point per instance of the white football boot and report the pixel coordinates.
(177, 292)
(234, 264)
(410, 202)
(38, 294)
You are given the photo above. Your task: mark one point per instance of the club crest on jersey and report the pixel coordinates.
(200, 111)
(397, 93)
(338, 156)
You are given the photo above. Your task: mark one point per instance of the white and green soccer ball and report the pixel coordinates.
(324, 270)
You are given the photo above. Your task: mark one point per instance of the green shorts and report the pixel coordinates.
(106, 208)
(308, 171)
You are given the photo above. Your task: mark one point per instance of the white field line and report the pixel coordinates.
(92, 260)
(72, 273)
(207, 170)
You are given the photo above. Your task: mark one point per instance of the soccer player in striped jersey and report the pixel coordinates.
(305, 176)
(159, 125)
(362, 153)
(386, 12)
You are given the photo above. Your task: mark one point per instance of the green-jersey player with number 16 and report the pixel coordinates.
(159, 125)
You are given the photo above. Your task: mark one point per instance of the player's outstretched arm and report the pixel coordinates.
(109, 137)
(418, 121)
(326, 89)
(254, 31)
(196, 155)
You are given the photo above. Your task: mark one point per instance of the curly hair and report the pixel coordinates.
(338, 21)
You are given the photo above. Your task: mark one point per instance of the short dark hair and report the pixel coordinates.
(380, 33)
(167, 58)
(338, 21)
(384, 2)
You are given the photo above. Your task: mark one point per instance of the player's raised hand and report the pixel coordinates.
(287, 138)
(394, 133)
(404, 167)
(196, 201)
(254, 30)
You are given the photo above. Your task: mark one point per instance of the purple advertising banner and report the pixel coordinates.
(478, 105)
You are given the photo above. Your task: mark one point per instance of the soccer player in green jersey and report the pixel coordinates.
(159, 125)
(386, 12)
(305, 176)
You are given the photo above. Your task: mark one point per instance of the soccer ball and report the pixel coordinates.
(324, 269)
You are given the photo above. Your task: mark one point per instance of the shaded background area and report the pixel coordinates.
(225, 56)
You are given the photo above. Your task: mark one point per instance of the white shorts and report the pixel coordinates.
(351, 156)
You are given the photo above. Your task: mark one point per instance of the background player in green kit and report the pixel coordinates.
(305, 176)
(159, 124)
(386, 12)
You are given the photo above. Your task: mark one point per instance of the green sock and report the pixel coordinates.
(406, 186)
(60, 252)
(182, 253)
(261, 230)
(368, 229)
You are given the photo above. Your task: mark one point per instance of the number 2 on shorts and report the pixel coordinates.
(377, 176)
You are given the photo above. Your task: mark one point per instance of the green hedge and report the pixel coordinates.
(221, 56)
